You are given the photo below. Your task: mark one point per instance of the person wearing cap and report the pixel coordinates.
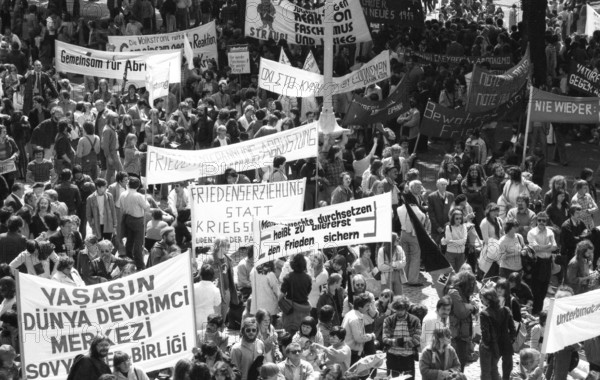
(8, 366)
(36, 83)
(110, 147)
(36, 258)
(222, 98)
(123, 369)
(164, 249)
(133, 207)
(40, 169)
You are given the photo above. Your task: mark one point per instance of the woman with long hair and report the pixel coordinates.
(125, 129)
(455, 239)
(514, 187)
(497, 332)
(558, 210)
(375, 174)
(578, 269)
(319, 275)
(154, 128)
(384, 310)
(268, 335)
(391, 261)
(474, 187)
(223, 267)
(182, 369)
(38, 225)
(440, 359)
(131, 162)
(557, 183)
(450, 171)
(296, 287)
(102, 92)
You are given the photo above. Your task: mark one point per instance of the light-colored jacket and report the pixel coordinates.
(30, 260)
(306, 370)
(92, 213)
(386, 268)
(265, 292)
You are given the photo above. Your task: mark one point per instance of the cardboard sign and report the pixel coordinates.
(148, 315)
(238, 58)
(364, 220)
(228, 210)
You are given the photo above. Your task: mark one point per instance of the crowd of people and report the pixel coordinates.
(75, 208)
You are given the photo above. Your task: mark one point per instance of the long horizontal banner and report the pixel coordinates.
(228, 210)
(283, 20)
(361, 221)
(489, 91)
(405, 12)
(169, 165)
(448, 123)
(571, 320)
(583, 79)
(286, 80)
(552, 108)
(363, 111)
(592, 21)
(104, 64)
(496, 63)
(203, 40)
(148, 315)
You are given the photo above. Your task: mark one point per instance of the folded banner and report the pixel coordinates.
(552, 108)
(203, 40)
(571, 320)
(405, 12)
(489, 91)
(584, 80)
(496, 63)
(290, 81)
(106, 64)
(148, 315)
(282, 20)
(592, 20)
(169, 165)
(228, 210)
(360, 221)
(363, 111)
(443, 122)
(157, 75)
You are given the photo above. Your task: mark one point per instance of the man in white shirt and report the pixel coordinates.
(408, 237)
(247, 118)
(542, 240)
(433, 321)
(207, 295)
(353, 323)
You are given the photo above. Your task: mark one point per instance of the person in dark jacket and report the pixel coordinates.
(12, 242)
(296, 286)
(334, 296)
(497, 333)
(95, 363)
(67, 192)
(106, 267)
(67, 239)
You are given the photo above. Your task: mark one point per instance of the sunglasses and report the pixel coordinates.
(542, 221)
(250, 330)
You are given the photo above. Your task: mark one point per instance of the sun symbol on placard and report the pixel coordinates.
(492, 251)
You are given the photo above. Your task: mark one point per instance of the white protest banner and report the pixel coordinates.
(238, 58)
(309, 103)
(282, 20)
(228, 210)
(8, 166)
(290, 81)
(202, 38)
(571, 320)
(364, 220)
(169, 165)
(106, 64)
(592, 20)
(148, 315)
(157, 75)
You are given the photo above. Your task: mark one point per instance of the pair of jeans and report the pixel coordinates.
(461, 346)
(133, 230)
(456, 259)
(488, 364)
(410, 245)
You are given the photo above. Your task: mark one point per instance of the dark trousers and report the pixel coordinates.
(461, 346)
(354, 357)
(397, 364)
(539, 286)
(133, 230)
(488, 364)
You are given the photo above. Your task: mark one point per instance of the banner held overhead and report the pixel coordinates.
(552, 108)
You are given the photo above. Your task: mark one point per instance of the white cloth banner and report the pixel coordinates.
(203, 40)
(309, 103)
(157, 75)
(364, 220)
(572, 320)
(592, 20)
(282, 20)
(106, 64)
(290, 81)
(148, 315)
(228, 210)
(169, 165)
